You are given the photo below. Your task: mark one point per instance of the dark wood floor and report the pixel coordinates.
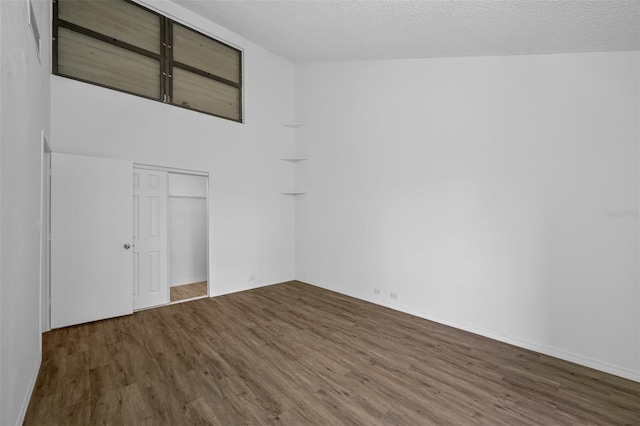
(298, 355)
(188, 291)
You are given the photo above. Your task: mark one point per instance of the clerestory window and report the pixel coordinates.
(121, 45)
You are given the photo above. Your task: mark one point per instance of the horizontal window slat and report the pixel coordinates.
(116, 19)
(206, 74)
(121, 45)
(89, 59)
(199, 51)
(194, 91)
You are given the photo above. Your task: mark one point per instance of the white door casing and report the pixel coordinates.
(91, 270)
(45, 240)
(150, 253)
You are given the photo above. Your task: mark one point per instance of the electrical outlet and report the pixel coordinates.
(252, 278)
(394, 295)
(377, 291)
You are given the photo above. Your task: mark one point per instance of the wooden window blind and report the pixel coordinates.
(195, 50)
(204, 94)
(121, 45)
(90, 59)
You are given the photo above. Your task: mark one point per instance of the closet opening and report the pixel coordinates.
(170, 236)
(187, 230)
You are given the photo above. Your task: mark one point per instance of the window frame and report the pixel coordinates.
(164, 58)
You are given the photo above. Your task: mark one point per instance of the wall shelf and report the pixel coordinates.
(293, 125)
(293, 159)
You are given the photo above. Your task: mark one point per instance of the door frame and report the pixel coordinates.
(45, 236)
(204, 174)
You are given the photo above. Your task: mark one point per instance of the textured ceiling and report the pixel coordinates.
(329, 30)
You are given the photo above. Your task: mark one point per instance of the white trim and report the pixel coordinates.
(545, 350)
(186, 281)
(169, 169)
(27, 397)
(35, 31)
(240, 290)
(153, 5)
(293, 125)
(45, 233)
(192, 197)
(175, 302)
(146, 308)
(207, 231)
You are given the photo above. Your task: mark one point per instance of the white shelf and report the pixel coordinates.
(293, 125)
(293, 159)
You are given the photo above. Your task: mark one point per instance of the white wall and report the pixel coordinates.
(251, 225)
(24, 113)
(186, 185)
(187, 241)
(187, 229)
(476, 189)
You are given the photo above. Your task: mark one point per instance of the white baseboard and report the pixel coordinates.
(183, 281)
(546, 350)
(27, 397)
(247, 288)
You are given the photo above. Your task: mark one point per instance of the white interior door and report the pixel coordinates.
(91, 227)
(150, 252)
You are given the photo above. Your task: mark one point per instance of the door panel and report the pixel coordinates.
(136, 274)
(91, 271)
(150, 238)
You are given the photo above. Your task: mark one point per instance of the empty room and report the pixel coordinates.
(319, 212)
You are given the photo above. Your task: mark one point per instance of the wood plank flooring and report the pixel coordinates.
(188, 291)
(293, 354)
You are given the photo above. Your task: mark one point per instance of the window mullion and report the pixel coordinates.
(54, 34)
(164, 61)
(169, 50)
(90, 45)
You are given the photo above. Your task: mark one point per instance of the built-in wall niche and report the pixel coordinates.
(187, 229)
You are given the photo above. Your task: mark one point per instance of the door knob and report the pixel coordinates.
(127, 246)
